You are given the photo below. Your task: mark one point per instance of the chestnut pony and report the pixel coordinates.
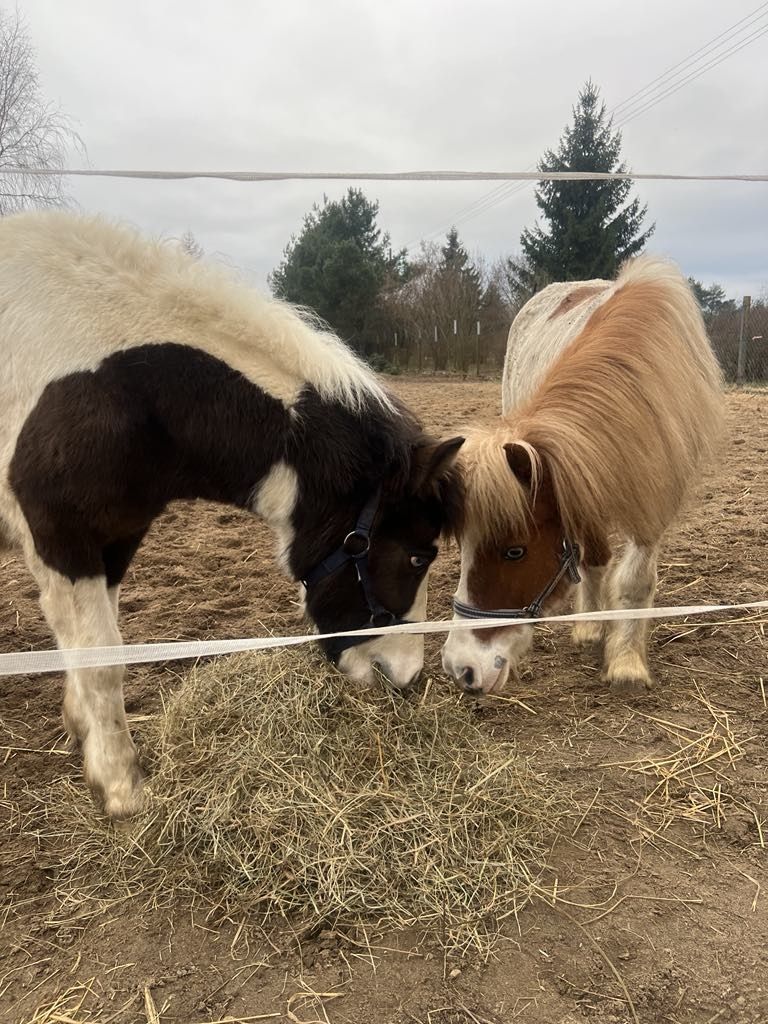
(612, 400)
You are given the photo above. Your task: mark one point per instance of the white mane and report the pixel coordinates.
(82, 287)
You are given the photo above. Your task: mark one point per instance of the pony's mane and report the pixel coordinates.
(494, 498)
(620, 422)
(200, 299)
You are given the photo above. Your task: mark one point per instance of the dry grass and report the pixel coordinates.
(691, 779)
(279, 789)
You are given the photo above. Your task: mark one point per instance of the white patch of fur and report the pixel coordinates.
(78, 288)
(81, 614)
(536, 339)
(490, 655)
(632, 585)
(274, 500)
(589, 598)
(399, 656)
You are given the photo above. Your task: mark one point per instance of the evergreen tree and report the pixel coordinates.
(712, 300)
(593, 226)
(459, 282)
(338, 265)
(455, 258)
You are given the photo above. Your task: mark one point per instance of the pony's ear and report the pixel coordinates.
(432, 461)
(521, 463)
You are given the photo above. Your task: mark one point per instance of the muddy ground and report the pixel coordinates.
(660, 908)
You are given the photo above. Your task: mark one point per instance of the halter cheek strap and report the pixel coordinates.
(355, 548)
(569, 566)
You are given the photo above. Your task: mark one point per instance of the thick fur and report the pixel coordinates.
(628, 405)
(612, 402)
(132, 376)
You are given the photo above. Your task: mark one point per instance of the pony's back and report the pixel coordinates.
(555, 317)
(74, 289)
(630, 406)
(545, 325)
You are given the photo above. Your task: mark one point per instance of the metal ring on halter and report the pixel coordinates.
(356, 535)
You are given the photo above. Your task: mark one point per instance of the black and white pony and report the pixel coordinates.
(133, 376)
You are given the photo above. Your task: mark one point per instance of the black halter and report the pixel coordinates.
(355, 548)
(569, 566)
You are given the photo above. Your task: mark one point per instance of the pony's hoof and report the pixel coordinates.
(120, 798)
(125, 800)
(627, 675)
(629, 686)
(587, 633)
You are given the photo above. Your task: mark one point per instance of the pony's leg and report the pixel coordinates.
(81, 614)
(589, 598)
(632, 585)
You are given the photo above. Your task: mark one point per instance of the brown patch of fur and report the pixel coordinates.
(575, 298)
(495, 582)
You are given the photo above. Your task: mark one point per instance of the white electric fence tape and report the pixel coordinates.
(382, 175)
(31, 662)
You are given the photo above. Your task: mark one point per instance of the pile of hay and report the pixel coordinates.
(280, 788)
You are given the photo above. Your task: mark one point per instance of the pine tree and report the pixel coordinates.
(712, 300)
(454, 257)
(460, 283)
(338, 265)
(593, 226)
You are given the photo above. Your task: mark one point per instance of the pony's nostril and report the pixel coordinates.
(467, 677)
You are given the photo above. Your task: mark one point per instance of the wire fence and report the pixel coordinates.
(468, 347)
(740, 339)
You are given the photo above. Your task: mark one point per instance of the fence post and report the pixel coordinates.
(741, 363)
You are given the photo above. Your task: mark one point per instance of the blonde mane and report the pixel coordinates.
(620, 422)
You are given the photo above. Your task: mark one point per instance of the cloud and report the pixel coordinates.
(348, 85)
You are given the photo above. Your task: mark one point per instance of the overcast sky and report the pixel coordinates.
(394, 85)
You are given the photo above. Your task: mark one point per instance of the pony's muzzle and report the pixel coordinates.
(399, 684)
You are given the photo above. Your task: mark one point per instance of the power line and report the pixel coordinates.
(692, 58)
(503, 193)
(707, 67)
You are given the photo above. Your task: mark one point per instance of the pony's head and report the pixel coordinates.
(516, 557)
(383, 579)
(365, 530)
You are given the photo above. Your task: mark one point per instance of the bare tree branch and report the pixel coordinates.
(33, 133)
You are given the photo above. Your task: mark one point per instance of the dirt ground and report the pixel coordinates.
(658, 906)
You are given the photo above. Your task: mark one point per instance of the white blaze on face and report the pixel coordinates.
(398, 656)
(481, 660)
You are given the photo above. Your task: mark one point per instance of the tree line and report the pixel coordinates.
(449, 311)
(442, 307)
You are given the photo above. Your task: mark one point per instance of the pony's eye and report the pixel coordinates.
(420, 561)
(514, 554)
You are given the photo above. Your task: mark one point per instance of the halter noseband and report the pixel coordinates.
(355, 548)
(569, 566)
